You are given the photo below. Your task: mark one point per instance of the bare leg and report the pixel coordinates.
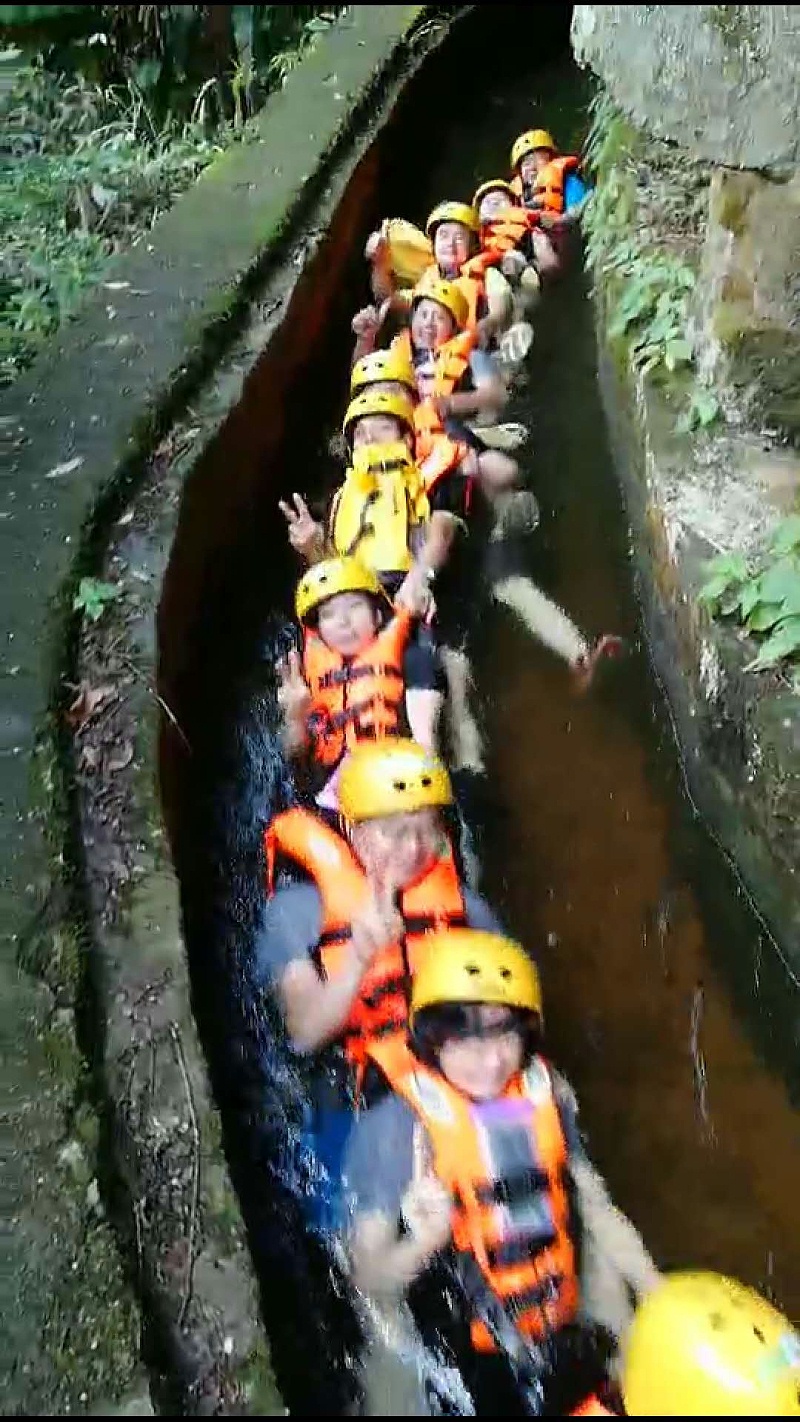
(497, 472)
(542, 618)
(548, 262)
(424, 709)
(464, 733)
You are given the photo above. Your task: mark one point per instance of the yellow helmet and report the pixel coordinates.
(491, 187)
(391, 777)
(335, 575)
(529, 142)
(378, 402)
(382, 365)
(703, 1345)
(463, 965)
(448, 295)
(453, 212)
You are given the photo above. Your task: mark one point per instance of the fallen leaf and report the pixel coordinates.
(116, 285)
(119, 761)
(88, 700)
(67, 468)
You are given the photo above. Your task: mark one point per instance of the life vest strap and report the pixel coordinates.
(429, 922)
(510, 1190)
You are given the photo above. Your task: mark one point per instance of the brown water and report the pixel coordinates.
(597, 863)
(666, 1001)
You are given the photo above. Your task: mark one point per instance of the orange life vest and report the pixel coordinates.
(355, 698)
(515, 1223)
(435, 902)
(435, 451)
(470, 281)
(547, 188)
(593, 1407)
(507, 231)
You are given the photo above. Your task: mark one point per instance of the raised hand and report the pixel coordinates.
(426, 1204)
(304, 532)
(379, 924)
(294, 697)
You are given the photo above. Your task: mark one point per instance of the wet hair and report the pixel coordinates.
(437, 1024)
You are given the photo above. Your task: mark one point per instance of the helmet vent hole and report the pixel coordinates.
(505, 973)
(425, 781)
(400, 785)
(473, 970)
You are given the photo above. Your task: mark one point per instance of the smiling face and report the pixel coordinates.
(403, 846)
(452, 243)
(482, 1063)
(431, 324)
(347, 622)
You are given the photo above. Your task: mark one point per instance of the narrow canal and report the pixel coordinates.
(665, 1000)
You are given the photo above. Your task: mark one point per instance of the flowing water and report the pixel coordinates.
(666, 1002)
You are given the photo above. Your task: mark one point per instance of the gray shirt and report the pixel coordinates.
(379, 1155)
(293, 922)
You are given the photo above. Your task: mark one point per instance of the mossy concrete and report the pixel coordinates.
(689, 497)
(80, 427)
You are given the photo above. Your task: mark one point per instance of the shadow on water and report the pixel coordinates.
(663, 997)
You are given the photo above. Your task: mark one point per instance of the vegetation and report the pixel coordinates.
(108, 113)
(650, 288)
(763, 596)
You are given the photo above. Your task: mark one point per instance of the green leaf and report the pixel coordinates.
(750, 596)
(93, 596)
(724, 572)
(780, 580)
(763, 616)
(678, 352)
(784, 642)
(787, 535)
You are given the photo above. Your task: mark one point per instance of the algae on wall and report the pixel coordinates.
(703, 475)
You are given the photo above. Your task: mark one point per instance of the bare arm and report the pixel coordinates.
(316, 1009)
(436, 549)
(383, 1263)
(488, 398)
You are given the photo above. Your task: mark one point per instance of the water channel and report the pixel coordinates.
(666, 1000)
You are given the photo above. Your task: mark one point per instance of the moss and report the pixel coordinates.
(257, 1381)
(91, 1337)
(732, 24)
(64, 1060)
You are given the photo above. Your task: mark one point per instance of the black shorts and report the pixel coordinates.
(423, 669)
(464, 435)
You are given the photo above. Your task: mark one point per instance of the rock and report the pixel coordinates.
(749, 327)
(721, 80)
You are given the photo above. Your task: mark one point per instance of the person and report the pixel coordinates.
(703, 1345)
(398, 522)
(337, 951)
(453, 230)
(406, 528)
(465, 1169)
(548, 183)
(455, 382)
(506, 235)
(349, 683)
